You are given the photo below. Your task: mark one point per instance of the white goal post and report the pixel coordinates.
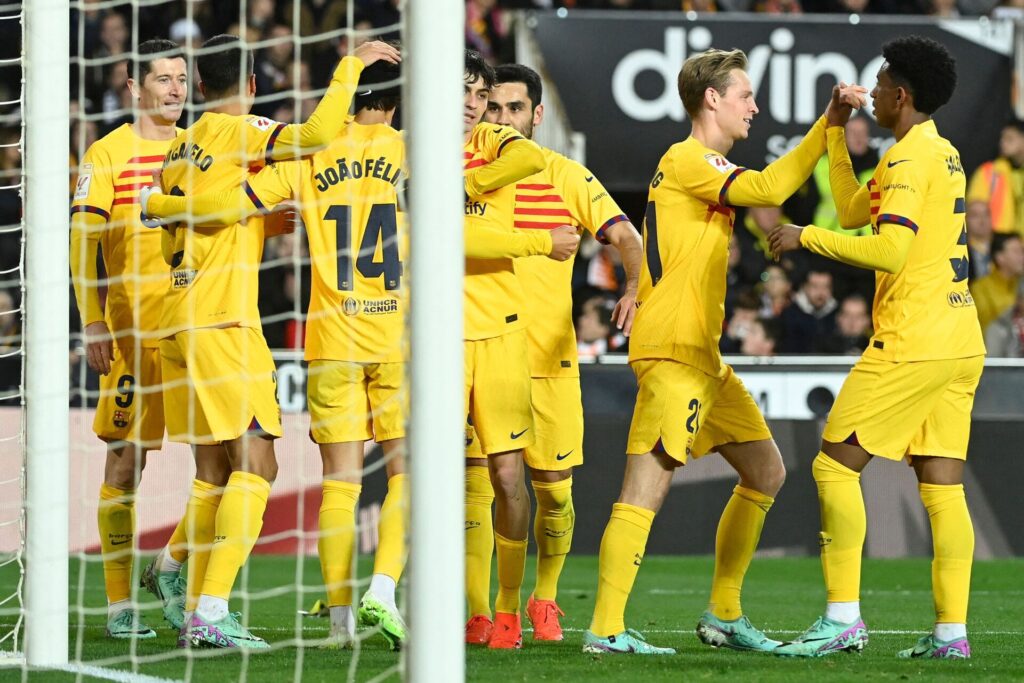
(46, 131)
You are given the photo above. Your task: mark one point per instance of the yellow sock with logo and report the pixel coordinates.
(739, 530)
(511, 568)
(338, 539)
(479, 540)
(115, 517)
(200, 525)
(391, 551)
(552, 527)
(953, 543)
(843, 527)
(622, 551)
(239, 521)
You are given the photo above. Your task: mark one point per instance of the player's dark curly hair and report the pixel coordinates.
(220, 66)
(519, 73)
(476, 68)
(379, 86)
(924, 67)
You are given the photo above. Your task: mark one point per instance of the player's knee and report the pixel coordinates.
(124, 467)
(774, 478)
(508, 486)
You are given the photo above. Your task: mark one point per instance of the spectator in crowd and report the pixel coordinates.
(779, 7)
(273, 71)
(744, 314)
(998, 183)
(595, 334)
(979, 239)
(864, 159)
(852, 331)
(811, 315)
(776, 290)
(997, 292)
(186, 33)
(117, 98)
(487, 30)
(114, 41)
(1004, 337)
(762, 338)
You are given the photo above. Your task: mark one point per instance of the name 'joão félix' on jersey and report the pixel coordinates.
(367, 168)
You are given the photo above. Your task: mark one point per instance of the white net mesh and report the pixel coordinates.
(115, 146)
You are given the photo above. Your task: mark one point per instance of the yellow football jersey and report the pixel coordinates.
(925, 311)
(348, 195)
(492, 295)
(215, 271)
(681, 298)
(113, 171)
(564, 193)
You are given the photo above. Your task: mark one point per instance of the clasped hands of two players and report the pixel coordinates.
(845, 98)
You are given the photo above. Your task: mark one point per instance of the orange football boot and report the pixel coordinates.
(543, 616)
(478, 630)
(508, 632)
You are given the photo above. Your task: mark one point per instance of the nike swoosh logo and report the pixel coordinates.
(589, 178)
(127, 540)
(563, 457)
(893, 163)
(514, 436)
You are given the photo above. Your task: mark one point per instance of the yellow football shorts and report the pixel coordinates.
(356, 401)
(219, 383)
(687, 413)
(558, 419)
(900, 409)
(497, 393)
(131, 404)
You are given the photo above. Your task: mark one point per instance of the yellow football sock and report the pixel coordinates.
(479, 540)
(552, 527)
(391, 552)
(239, 521)
(511, 568)
(200, 524)
(953, 542)
(338, 539)
(622, 551)
(116, 518)
(177, 544)
(843, 527)
(739, 530)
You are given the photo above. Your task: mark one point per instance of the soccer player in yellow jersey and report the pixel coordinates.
(497, 373)
(565, 192)
(348, 197)
(910, 395)
(689, 402)
(122, 340)
(213, 352)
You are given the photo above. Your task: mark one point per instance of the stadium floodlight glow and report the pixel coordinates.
(45, 50)
(433, 81)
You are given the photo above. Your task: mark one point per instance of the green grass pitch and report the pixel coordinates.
(781, 595)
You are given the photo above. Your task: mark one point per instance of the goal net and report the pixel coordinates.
(245, 405)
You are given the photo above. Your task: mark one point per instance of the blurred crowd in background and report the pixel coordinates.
(800, 305)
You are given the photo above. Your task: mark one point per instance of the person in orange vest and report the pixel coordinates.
(999, 184)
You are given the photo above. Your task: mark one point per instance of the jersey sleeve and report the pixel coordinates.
(852, 200)
(258, 137)
(90, 213)
(259, 193)
(706, 176)
(588, 200)
(94, 192)
(506, 157)
(902, 189)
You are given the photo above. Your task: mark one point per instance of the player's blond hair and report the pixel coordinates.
(710, 69)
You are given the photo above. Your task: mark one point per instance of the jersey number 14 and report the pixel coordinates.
(381, 228)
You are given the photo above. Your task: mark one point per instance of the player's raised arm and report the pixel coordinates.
(512, 157)
(328, 119)
(853, 205)
(785, 175)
